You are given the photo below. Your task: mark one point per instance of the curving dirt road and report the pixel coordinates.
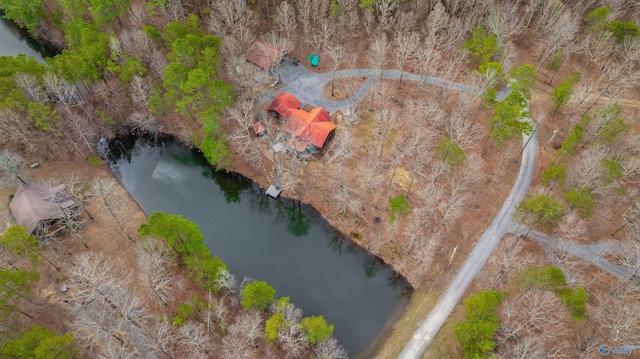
(501, 224)
(308, 87)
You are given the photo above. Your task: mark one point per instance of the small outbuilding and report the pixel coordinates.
(258, 128)
(262, 54)
(31, 205)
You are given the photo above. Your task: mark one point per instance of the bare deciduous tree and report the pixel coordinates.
(462, 131)
(563, 30)
(10, 164)
(143, 121)
(405, 21)
(31, 87)
(385, 10)
(233, 17)
(337, 55)
(572, 227)
(286, 19)
(66, 94)
(104, 189)
(386, 123)
(195, 341)
(241, 115)
(156, 274)
(161, 337)
(330, 349)
(140, 92)
(282, 46)
(378, 53)
(248, 325)
(405, 45)
(321, 34)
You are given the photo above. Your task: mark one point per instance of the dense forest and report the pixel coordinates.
(415, 171)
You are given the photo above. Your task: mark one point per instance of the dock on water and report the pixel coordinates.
(274, 190)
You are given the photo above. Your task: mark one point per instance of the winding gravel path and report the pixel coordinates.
(591, 253)
(308, 86)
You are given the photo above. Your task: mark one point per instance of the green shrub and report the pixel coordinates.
(399, 207)
(273, 325)
(183, 312)
(94, 161)
(582, 199)
(575, 299)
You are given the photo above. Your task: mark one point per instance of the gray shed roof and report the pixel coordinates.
(31, 204)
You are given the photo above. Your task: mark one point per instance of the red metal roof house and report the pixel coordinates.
(283, 104)
(311, 128)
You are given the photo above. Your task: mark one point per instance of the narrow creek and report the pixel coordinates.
(287, 244)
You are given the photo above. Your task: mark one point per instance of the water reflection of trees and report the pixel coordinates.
(298, 221)
(374, 264)
(341, 244)
(370, 266)
(231, 185)
(259, 201)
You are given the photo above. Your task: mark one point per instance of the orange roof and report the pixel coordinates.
(317, 132)
(319, 114)
(262, 54)
(312, 127)
(283, 104)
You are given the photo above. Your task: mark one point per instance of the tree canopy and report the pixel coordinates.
(451, 153)
(191, 85)
(561, 94)
(185, 239)
(316, 329)
(540, 212)
(40, 343)
(257, 295)
(582, 199)
(482, 45)
(476, 332)
(399, 207)
(553, 279)
(27, 13)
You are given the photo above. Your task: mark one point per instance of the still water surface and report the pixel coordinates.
(287, 244)
(14, 41)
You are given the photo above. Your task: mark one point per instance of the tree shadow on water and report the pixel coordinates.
(370, 266)
(231, 185)
(260, 202)
(298, 222)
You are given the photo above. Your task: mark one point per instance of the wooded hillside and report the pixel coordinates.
(416, 169)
